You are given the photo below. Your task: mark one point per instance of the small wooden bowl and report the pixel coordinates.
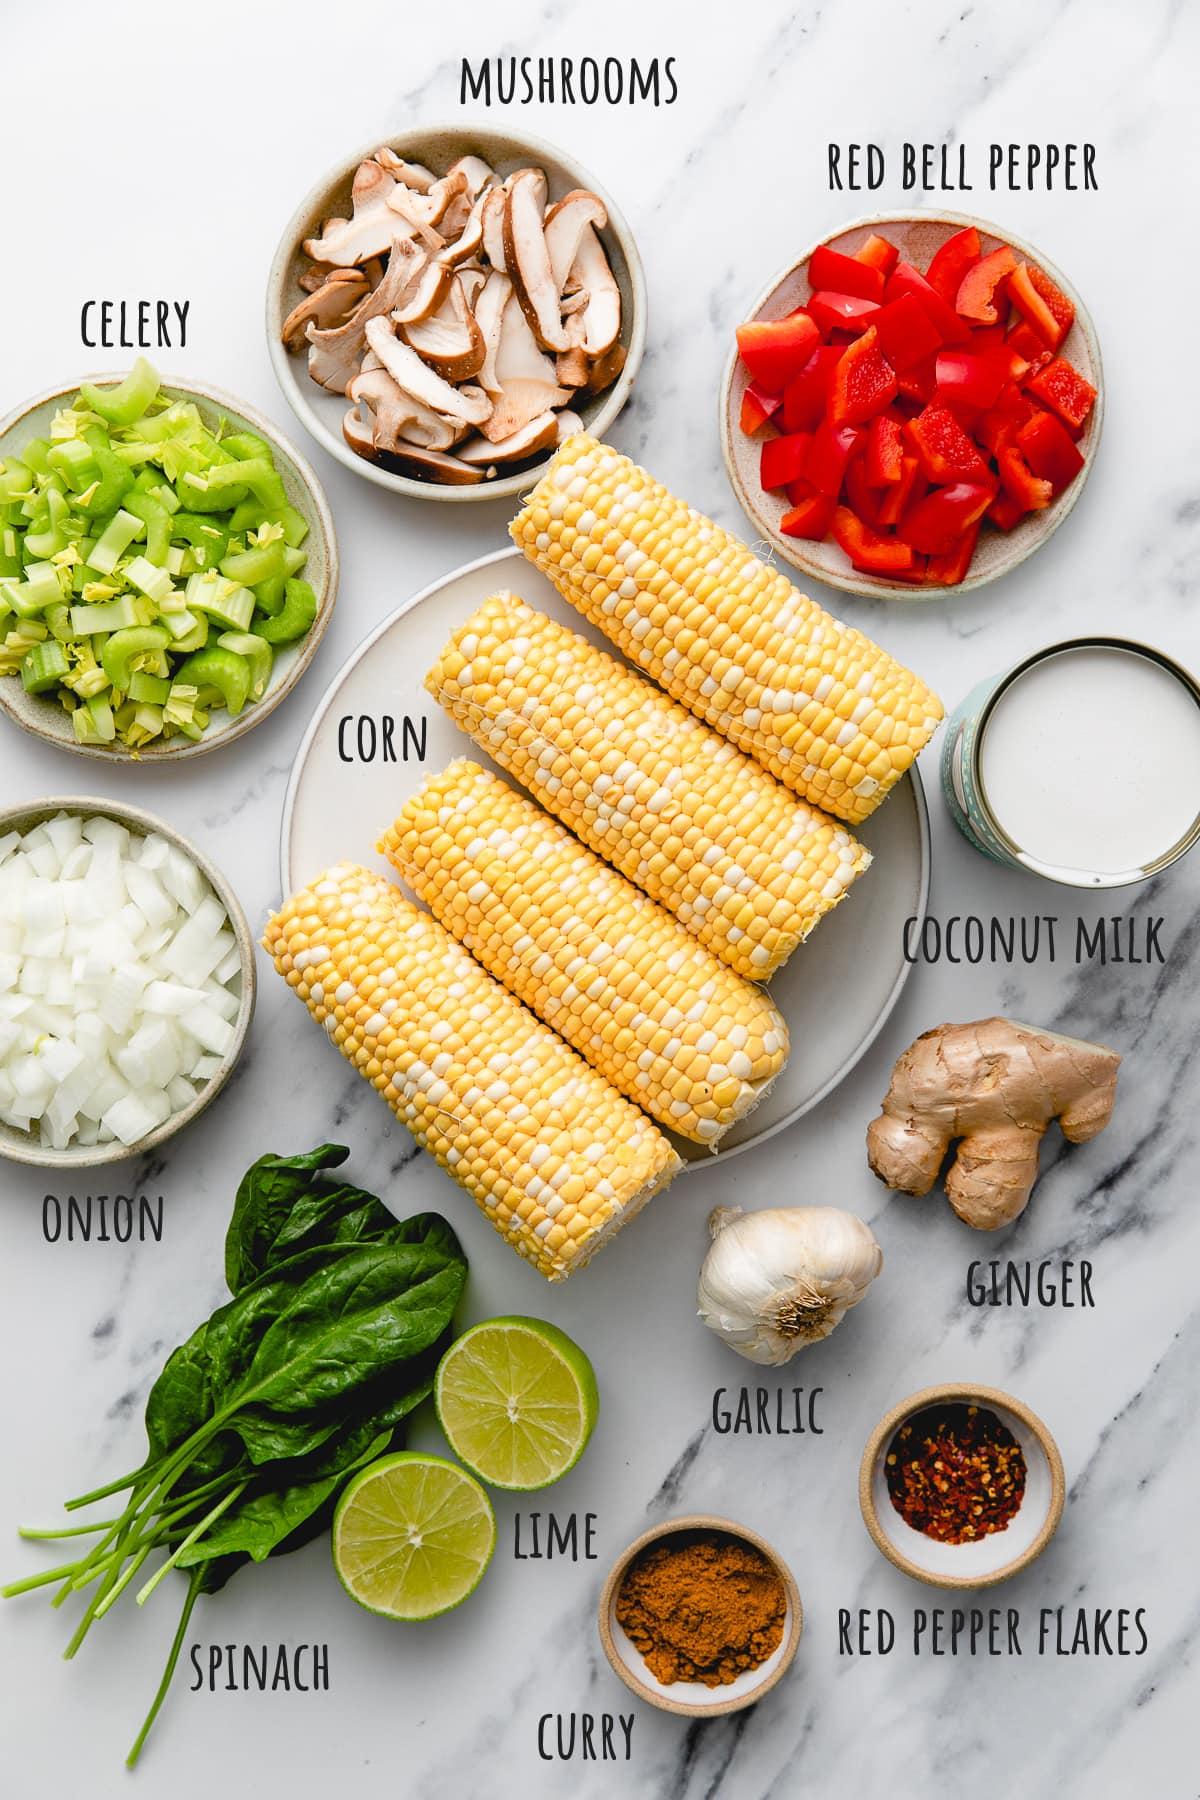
(44, 717)
(917, 237)
(991, 1559)
(22, 1146)
(690, 1699)
(437, 146)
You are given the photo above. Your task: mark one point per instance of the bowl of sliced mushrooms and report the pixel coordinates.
(447, 308)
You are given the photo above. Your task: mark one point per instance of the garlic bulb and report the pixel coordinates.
(776, 1280)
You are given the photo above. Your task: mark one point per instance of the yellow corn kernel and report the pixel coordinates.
(554, 1156)
(828, 712)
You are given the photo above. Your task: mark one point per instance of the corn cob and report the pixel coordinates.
(554, 1156)
(702, 829)
(621, 980)
(828, 712)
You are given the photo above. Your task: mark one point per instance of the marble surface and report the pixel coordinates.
(170, 155)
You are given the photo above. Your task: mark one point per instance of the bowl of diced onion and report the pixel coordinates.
(126, 982)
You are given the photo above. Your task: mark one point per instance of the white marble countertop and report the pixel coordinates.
(145, 155)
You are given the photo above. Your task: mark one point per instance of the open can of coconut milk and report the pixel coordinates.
(1081, 764)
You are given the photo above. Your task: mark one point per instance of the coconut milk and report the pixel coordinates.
(1082, 764)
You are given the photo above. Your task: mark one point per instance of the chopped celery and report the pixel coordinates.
(127, 495)
(44, 666)
(257, 653)
(114, 540)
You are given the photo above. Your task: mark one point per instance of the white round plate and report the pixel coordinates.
(835, 992)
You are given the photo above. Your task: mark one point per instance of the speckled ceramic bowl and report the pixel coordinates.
(23, 1146)
(691, 1699)
(917, 237)
(991, 1559)
(42, 714)
(437, 146)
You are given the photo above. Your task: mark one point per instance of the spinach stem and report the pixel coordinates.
(64, 1531)
(168, 1672)
(36, 1581)
(102, 1493)
(197, 1530)
(123, 1580)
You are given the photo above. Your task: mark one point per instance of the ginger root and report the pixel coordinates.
(995, 1085)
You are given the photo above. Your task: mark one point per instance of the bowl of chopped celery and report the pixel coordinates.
(126, 982)
(168, 566)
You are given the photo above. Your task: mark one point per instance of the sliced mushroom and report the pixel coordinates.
(359, 433)
(521, 401)
(313, 277)
(572, 367)
(491, 217)
(469, 241)
(334, 355)
(413, 175)
(602, 314)
(490, 304)
(450, 341)
(606, 368)
(568, 424)
(399, 415)
(372, 229)
(449, 471)
(330, 305)
(527, 259)
(479, 175)
(470, 405)
(565, 223)
(517, 353)
(538, 434)
(426, 294)
(472, 284)
(428, 209)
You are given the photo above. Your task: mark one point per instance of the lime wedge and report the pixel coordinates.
(412, 1536)
(517, 1401)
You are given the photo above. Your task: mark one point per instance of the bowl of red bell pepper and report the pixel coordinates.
(912, 406)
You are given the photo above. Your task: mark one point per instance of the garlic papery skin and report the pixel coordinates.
(776, 1280)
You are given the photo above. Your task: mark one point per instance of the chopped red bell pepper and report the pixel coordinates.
(782, 459)
(829, 269)
(1049, 450)
(1061, 387)
(831, 449)
(986, 337)
(904, 279)
(917, 383)
(1010, 412)
(1041, 304)
(977, 294)
(841, 312)
(946, 452)
(757, 407)
(904, 493)
(776, 349)
(936, 523)
(864, 382)
(860, 495)
(1025, 341)
(948, 569)
(1019, 481)
(1004, 512)
(884, 459)
(867, 549)
(879, 253)
(806, 395)
(945, 273)
(906, 332)
(810, 517)
(969, 381)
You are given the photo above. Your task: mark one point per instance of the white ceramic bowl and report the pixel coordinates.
(22, 1146)
(42, 714)
(917, 237)
(437, 146)
(691, 1699)
(990, 1559)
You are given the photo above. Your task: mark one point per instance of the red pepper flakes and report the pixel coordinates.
(956, 1473)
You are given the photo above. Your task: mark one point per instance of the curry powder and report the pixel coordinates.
(702, 1607)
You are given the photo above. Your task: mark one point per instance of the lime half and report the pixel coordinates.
(412, 1536)
(517, 1400)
